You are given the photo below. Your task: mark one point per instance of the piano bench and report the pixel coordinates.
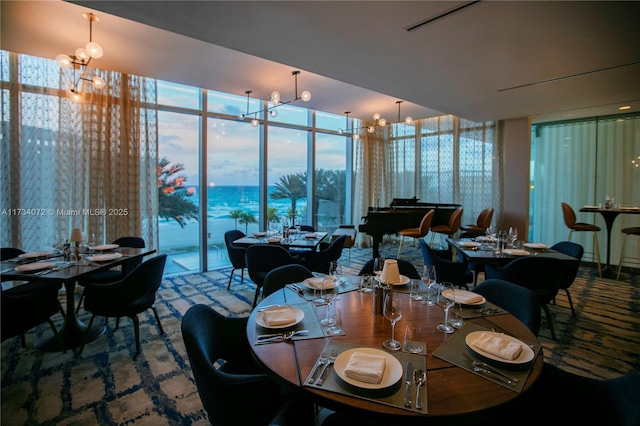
(348, 230)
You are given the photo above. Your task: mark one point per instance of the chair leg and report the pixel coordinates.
(242, 275)
(57, 335)
(573, 312)
(80, 302)
(255, 298)
(548, 314)
(624, 247)
(595, 242)
(400, 245)
(86, 334)
(230, 278)
(155, 313)
(136, 332)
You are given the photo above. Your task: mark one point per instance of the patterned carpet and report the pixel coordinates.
(106, 386)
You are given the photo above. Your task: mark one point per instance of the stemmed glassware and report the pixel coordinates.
(429, 279)
(513, 236)
(448, 304)
(91, 244)
(393, 312)
(365, 284)
(329, 294)
(378, 265)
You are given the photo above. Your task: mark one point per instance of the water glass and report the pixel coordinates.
(429, 278)
(415, 290)
(336, 327)
(365, 284)
(413, 341)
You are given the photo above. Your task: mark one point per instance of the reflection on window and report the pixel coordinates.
(178, 95)
(331, 181)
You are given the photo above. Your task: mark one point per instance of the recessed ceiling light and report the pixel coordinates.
(623, 108)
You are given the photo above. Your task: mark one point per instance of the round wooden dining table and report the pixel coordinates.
(451, 390)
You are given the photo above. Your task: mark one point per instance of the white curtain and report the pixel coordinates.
(438, 160)
(581, 163)
(90, 165)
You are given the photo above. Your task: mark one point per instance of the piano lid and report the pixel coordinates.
(404, 202)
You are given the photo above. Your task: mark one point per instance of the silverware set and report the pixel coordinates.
(323, 366)
(417, 376)
(491, 371)
(279, 337)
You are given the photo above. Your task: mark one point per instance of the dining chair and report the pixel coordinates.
(231, 386)
(449, 229)
(116, 273)
(541, 275)
(570, 220)
(28, 305)
(283, 275)
(318, 261)
(262, 258)
(519, 301)
(236, 253)
(476, 268)
(633, 231)
(405, 268)
(420, 232)
(446, 269)
(127, 297)
(483, 222)
(570, 270)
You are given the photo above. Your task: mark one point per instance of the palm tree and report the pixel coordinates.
(330, 186)
(235, 215)
(293, 186)
(247, 218)
(173, 199)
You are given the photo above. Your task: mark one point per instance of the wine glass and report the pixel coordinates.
(378, 265)
(455, 320)
(91, 244)
(429, 279)
(329, 294)
(365, 284)
(513, 236)
(335, 271)
(393, 312)
(448, 303)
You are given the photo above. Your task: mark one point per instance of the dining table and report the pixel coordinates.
(609, 215)
(298, 240)
(453, 385)
(73, 331)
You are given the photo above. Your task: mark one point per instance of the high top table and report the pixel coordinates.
(73, 331)
(609, 216)
(451, 390)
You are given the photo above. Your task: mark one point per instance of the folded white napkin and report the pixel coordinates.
(310, 235)
(364, 367)
(274, 240)
(467, 297)
(319, 283)
(279, 316)
(498, 346)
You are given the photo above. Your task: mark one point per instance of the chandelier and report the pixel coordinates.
(275, 102)
(379, 121)
(79, 62)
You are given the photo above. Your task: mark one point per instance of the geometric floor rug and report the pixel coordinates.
(105, 385)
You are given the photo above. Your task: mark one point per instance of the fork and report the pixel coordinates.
(321, 361)
(332, 359)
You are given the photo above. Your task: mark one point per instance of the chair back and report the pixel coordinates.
(446, 270)
(236, 253)
(283, 275)
(570, 270)
(405, 268)
(454, 220)
(7, 253)
(136, 292)
(27, 306)
(132, 242)
(517, 300)
(262, 258)
(425, 223)
(569, 215)
(484, 218)
(319, 261)
(542, 275)
(229, 393)
(307, 228)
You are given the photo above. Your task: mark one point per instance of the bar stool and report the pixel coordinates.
(627, 231)
(570, 220)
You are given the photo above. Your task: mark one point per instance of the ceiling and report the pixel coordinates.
(490, 60)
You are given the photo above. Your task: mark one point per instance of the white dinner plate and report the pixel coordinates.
(35, 266)
(311, 235)
(403, 280)
(538, 246)
(392, 370)
(318, 283)
(259, 234)
(470, 244)
(460, 295)
(515, 252)
(106, 247)
(36, 254)
(105, 257)
(297, 312)
(525, 356)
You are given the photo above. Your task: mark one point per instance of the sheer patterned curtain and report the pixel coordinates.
(581, 163)
(440, 160)
(65, 165)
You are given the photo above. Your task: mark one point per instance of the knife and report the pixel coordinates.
(408, 380)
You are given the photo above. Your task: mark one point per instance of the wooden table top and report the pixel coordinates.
(290, 363)
(295, 240)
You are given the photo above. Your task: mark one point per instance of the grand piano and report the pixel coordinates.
(402, 213)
